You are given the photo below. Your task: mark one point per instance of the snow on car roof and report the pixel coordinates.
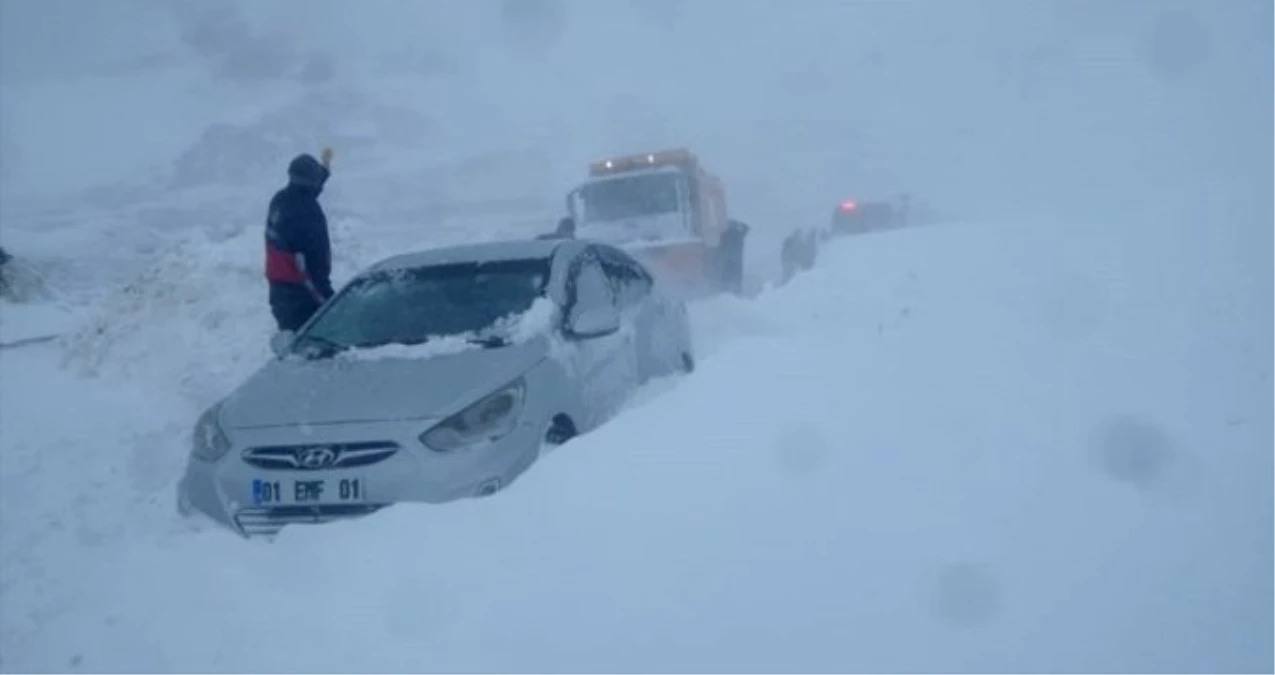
(491, 251)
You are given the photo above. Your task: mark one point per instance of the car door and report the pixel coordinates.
(604, 366)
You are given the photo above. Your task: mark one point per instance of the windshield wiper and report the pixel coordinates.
(489, 341)
(326, 347)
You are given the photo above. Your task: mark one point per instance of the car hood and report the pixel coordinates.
(288, 392)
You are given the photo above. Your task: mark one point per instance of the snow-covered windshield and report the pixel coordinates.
(630, 196)
(415, 305)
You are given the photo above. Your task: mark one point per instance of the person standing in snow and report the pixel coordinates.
(732, 255)
(298, 250)
(4, 283)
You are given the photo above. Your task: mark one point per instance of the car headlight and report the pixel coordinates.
(208, 442)
(490, 419)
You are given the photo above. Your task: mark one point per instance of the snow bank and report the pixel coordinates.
(987, 441)
(192, 324)
(20, 323)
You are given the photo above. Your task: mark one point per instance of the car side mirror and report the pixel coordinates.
(594, 322)
(281, 342)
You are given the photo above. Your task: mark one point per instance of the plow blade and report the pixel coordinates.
(690, 266)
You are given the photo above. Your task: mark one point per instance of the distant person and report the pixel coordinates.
(904, 216)
(4, 282)
(298, 250)
(799, 254)
(732, 250)
(566, 230)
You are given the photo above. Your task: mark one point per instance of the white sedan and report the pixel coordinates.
(431, 377)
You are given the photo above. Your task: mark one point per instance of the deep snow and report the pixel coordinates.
(1035, 439)
(939, 471)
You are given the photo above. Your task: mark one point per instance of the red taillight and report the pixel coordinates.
(848, 205)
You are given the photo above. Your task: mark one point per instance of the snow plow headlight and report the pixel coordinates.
(490, 419)
(209, 442)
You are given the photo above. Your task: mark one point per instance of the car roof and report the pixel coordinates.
(490, 251)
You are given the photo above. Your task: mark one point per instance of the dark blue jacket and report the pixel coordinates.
(298, 249)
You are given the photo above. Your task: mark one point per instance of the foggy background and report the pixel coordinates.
(1089, 108)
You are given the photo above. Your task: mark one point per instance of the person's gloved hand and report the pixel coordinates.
(326, 158)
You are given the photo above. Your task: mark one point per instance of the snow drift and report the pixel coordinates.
(1002, 457)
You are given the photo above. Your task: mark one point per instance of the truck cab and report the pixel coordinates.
(662, 206)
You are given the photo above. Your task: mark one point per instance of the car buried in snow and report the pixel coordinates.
(432, 377)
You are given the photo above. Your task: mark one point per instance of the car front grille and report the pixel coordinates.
(266, 522)
(338, 455)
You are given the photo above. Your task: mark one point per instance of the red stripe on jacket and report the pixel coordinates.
(282, 267)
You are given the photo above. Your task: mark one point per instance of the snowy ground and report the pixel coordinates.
(901, 461)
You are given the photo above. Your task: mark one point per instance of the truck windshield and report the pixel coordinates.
(630, 197)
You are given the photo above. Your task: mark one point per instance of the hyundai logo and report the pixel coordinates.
(317, 457)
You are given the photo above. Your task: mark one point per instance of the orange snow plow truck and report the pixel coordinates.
(667, 211)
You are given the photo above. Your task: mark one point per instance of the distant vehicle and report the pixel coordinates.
(862, 217)
(665, 208)
(431, 377)
(801, 248)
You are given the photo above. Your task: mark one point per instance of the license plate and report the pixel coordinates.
(291, 492)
